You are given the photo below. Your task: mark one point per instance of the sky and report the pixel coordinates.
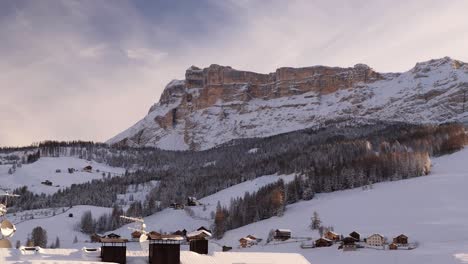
(90, 69)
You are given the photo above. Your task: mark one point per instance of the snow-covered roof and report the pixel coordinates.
(199, 232)
(376, 235)
(284, 230)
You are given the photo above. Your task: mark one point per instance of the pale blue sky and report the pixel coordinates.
(89, 69)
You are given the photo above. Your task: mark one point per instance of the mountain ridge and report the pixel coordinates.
(217, 104)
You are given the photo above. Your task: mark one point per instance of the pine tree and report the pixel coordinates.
(57, 242)
(75, 240)
(39, 237)
(315, 221)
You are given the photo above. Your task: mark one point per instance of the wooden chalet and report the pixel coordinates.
(95, 238)
(88, 168)
(114, 250)
(246, 242)
(282, 234)
(323, 242)
(180, 233)
(204, 228)
(349, 241)
(401, 239)
(350, 247)
(393, 246)
(332, 236)
(355, 235)
(136, 235)
(198, 235)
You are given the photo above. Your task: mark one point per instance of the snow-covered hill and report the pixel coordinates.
(217, 104)
(60, 225)
(54, 170)
(431, 210)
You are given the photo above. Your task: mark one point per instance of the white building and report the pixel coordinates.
(375, 240)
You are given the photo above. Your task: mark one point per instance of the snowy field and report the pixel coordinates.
(431, 210)
(33, 174)
(60, 225)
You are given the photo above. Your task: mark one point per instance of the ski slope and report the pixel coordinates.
(431, 210)
(31, 175)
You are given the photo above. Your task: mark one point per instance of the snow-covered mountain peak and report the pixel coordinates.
(216, 104)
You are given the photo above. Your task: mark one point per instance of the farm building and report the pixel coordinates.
(375, 240)
(282, 234)
(355, 235)
(95, 238)
(332, 236)
(180, 233)
(192, 201)
(401, 239)
(393, 246)
(323, 242)
(198, 235)
(136, 235)
(349, 240)
(247, 242)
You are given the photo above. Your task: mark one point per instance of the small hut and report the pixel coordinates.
(282, 234)
(393, 246)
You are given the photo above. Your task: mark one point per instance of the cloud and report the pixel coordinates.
(89, 69)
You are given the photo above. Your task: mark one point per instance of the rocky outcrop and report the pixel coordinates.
(218, 103)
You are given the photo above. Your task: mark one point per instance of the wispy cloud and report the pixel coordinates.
(89, 69)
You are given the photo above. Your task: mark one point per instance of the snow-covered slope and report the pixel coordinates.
(224, 104)
(59, 225)
(31, 175)
(431, 210)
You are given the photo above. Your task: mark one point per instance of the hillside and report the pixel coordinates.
(430, 210)
(217, 104)
(55, 170)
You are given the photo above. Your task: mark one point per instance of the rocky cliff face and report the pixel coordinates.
(217, 104)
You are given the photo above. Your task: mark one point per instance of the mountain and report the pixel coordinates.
(217, 104)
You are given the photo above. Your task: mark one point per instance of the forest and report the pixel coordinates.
(324, 160)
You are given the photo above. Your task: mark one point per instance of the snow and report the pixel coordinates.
(397, 97)
(431, 210)
(60, 225)
(31, 175)
(73, 256)
(225, 196)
